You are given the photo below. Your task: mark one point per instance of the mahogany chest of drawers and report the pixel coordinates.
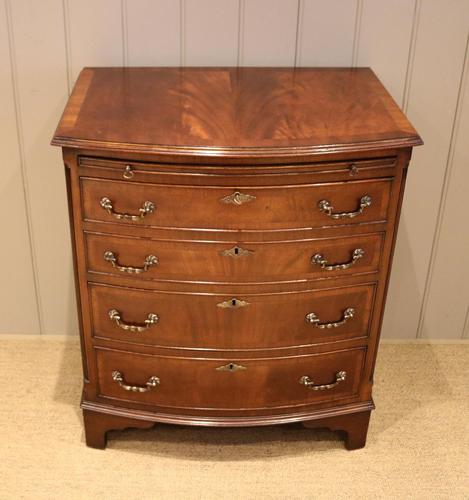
(233, 230)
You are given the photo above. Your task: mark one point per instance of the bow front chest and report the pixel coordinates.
(233, 230)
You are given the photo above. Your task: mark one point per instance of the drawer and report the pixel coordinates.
(230, 384)
(214, 207)
(233, 262)
(254, 321)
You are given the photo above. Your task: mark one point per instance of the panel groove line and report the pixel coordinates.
(24, 180)
(299, 15)
(356, 34)
(241, 10)
(444, 191)
(68, 53)
(411, 56)
(182, 32)
(383, 38)
(465, 329)
(431, 106)
(125, 34)
(299, 32)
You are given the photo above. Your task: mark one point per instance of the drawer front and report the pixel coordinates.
(258, 321)
(209, 207)
(233, 262)
(229, 384)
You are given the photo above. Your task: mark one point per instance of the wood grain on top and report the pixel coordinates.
(232, 111)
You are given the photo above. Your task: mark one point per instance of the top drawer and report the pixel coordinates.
(217, 207)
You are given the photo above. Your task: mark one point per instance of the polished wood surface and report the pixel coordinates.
(247, 174)
(253, 262)
(235, 283)
(232, 111)
(189, 320)
(265, 208)
(199, 383)
(355, 427)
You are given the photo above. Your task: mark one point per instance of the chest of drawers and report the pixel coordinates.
(233, 230)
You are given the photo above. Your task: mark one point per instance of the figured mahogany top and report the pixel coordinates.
(232, 112)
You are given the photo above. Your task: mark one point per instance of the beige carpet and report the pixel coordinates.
(417, 444)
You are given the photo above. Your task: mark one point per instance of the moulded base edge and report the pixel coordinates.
(352, 419)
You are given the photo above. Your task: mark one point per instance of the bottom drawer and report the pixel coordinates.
(231, 384)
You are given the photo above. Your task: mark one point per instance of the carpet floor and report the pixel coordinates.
(417, 442)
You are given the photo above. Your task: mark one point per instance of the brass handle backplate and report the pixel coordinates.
(236, 252)
(237, 198)
(148, 207)
(151, 320)
(319, 260)
(232, 304)
(149, 261)
(311, 318)
(306, 381)
(326, 207)
(151, 383)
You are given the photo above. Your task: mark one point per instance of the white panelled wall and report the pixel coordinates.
(418, 48)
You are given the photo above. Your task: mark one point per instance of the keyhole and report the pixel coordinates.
(231, 366)
(236, 250)
(233, 303)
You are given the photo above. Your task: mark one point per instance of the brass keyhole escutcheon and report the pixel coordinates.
(233, 303)
(230, 367)
(236, 252)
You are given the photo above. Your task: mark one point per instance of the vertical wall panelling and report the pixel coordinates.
(326, 32)
(152, 32)
(446, 301)
(269, 33)
(356, 33)
(95, 33)
(211, 29)
(42, 87)
(384, 41)
(465, 331)
(18, 309)
(125, 32)
(416, 47)
(411, 58)
(433, 94)
(66, 15)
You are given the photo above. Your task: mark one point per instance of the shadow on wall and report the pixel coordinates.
(404, 296)
(72, 327)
